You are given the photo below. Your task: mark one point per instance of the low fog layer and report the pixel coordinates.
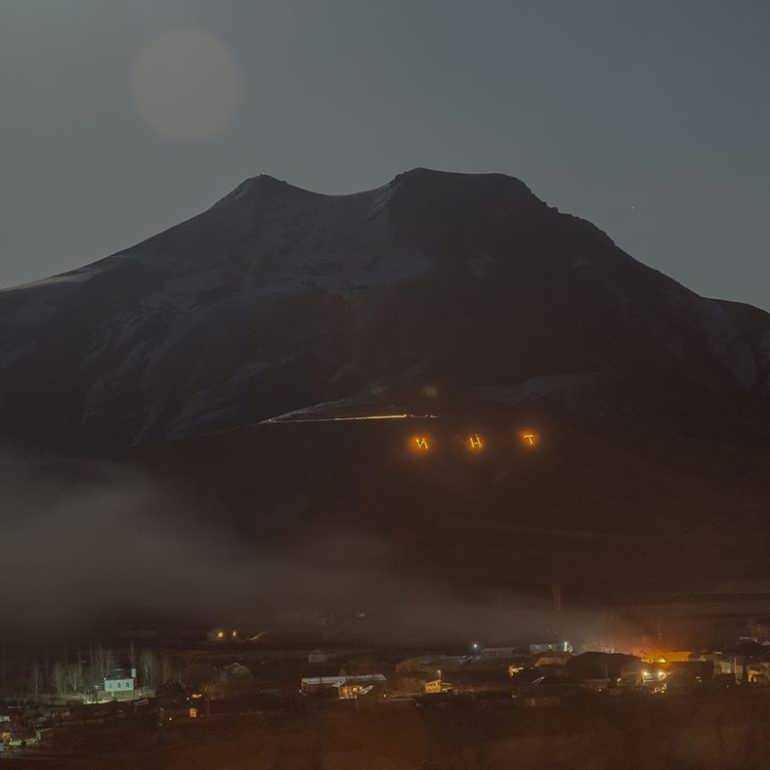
(86, 544)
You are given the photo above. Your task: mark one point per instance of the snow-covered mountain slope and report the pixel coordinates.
(277, 298)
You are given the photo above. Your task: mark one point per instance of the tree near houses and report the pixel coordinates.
(200, 676)
(75, 676)
(148, 668)
(59, 677)
(170, 670)
(104, 663)
(36, 679)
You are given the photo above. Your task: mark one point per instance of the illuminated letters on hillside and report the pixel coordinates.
(475, 442)
(529, 438)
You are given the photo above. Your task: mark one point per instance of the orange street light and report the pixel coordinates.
(420, 444)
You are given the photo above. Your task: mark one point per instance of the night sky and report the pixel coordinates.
(649, 118)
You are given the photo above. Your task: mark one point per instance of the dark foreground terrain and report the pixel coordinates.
(729, 729)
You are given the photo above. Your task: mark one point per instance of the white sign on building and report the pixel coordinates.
(119, 685)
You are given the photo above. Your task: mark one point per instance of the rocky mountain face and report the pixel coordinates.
(278, 298)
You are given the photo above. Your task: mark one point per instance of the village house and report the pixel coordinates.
(344, 687)
(119, 685)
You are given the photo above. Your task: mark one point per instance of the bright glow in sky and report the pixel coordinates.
(187, 86)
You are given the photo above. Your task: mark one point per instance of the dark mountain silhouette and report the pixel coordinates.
(278, 299)
(458, 295)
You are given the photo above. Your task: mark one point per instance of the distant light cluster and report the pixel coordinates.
(224, 634)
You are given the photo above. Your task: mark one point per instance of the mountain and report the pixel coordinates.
(279, 299)
(213, 355)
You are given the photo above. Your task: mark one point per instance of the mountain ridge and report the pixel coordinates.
(277, 298)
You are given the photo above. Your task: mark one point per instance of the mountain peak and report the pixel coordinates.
(423, 172)
(267, 181)
(425, 181)
(259, 187)
(493, 182)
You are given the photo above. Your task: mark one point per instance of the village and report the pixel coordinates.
(213, 694)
